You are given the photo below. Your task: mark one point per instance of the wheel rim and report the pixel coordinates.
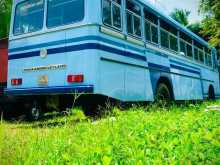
(35, 111)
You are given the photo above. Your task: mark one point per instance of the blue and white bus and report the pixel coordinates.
(122, 49)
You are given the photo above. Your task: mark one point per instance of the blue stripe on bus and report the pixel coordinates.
(85, 46)
(167, 69)
(48, 90)
(184, 69)
(158, 67)
(72, 40)
(182, 64)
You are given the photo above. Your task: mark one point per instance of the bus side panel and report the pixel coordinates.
(186, 88)
(210, 78)
(186, 78)
(112, 81)
(159, 67)
(137, 84)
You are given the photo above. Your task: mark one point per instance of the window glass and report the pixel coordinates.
(201, 56)
(116, 16)
(129, 23)
(112, 13)
(198, 45)
(29, 16)
(137, 26)
(185, 37)
(164, 39)
(173, 43)
(209, 60)
(168, 27)
(196, 54)
(107, 17)
(117, 1)
(133, 7)
(154, 31)
(150, 17)
(189, 50)
(182, 47)
(64, 12)
(133, 18)
(147, 31)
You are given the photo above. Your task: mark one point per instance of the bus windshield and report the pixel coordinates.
(28, 17)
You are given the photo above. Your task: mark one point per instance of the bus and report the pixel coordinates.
(127, 50)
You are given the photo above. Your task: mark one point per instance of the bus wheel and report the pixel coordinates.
(34, 111)
(163, 93)
(211, 94)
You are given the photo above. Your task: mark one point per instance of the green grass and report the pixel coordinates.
(140, 135)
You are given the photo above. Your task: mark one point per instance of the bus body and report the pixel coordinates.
(121, 49)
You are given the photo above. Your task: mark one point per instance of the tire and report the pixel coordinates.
(34, 112)
(163, 93)
(211, 94)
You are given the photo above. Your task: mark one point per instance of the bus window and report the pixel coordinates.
(147, 31)
(154, 33)
(137, 26)
(29, 16)
(107, 15)
(164, 38)
(209, 60)
(133, 18)
(151, 27)
(168, 36)
(150, 17)
(183, 46)
(208, 57)
(129, 23)
(173, 43)
(62, 12)
(189, 50)
(185, 37)
(196, 54)
(112, 13)
(201, 56)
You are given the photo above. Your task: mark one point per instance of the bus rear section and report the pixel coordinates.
(49, 55)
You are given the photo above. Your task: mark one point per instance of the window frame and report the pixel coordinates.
(151, 36)
(169, 41)
(210, 60)
(201, 51)
(112, 20)
(14, 19)
(133, 14)
(63, 25)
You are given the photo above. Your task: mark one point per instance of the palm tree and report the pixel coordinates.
(181, 16)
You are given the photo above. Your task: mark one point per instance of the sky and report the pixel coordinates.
(168, 5)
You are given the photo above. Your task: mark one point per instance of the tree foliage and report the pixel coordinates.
(211, 23)
(197, 29)
(5, 12)
(181, 16)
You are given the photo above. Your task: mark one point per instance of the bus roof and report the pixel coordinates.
(170, 20)
(167, 18)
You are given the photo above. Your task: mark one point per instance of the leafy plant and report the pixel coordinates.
(181, 134)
